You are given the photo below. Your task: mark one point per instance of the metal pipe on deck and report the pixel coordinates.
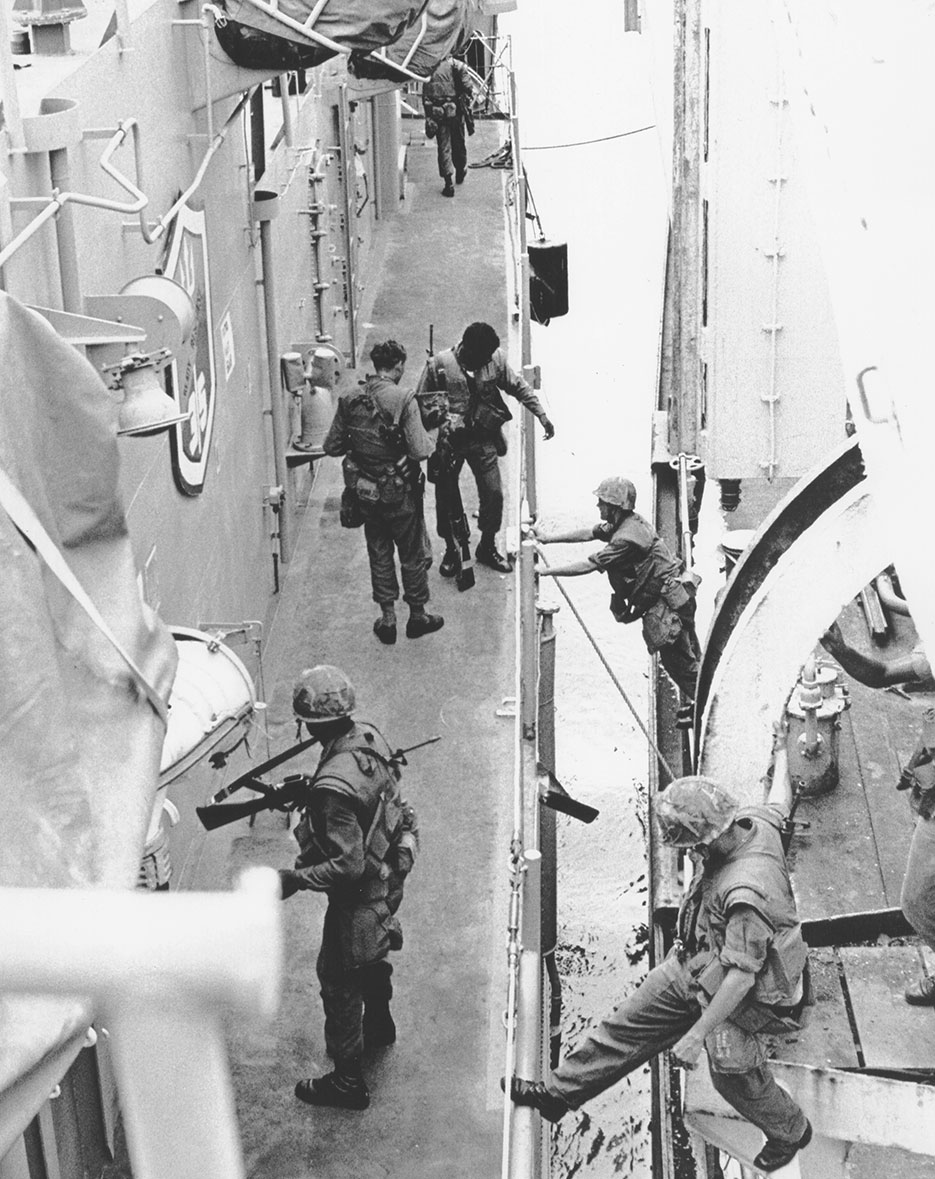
(265, 210)
(548, 842)
(526, 1136)
(519, 181)
(682, 461)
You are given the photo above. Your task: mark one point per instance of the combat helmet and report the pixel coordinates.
(617, 491)
(694, 810)
(322, 694)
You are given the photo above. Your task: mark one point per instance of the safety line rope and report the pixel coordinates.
(610, 671)
(585, 142)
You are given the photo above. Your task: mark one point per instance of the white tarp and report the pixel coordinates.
(80, 743)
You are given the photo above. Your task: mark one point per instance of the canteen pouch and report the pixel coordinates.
(392, 489)
(350, 513)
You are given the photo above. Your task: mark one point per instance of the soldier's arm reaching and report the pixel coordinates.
(518, 387)
(868, 669)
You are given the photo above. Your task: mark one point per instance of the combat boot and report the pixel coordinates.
(449, 189)
(776, 1154)
(535, 1095)
(486, 554)
(922, 993)
(344, 1090)
(423, 624)
(460, 174)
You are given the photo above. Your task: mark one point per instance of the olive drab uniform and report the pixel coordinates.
(739, 912)
(473, 429)
(379, 430)
(357, 841)
(447, 96)
(649, 584)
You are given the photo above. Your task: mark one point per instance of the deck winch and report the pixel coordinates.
(814, 723)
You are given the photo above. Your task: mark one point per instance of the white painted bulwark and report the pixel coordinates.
(775, 399)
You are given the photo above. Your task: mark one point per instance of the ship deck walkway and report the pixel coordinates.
(436, 1103)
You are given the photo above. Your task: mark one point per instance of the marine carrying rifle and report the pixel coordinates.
(284, 797)
(444, 472)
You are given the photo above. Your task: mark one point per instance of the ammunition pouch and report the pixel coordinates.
(661, 626)
(676, 594)
(368, 490)
(443, 109)
(488, 416)
(433, 407)
(431, 128)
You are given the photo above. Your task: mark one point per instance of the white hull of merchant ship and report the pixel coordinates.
(793, 389)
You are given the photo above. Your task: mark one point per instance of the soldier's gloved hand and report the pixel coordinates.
(288, 882)
(548, 428)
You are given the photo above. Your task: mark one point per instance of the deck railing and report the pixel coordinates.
(525, 1153)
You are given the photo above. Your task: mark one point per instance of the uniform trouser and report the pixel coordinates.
(655, 1017)
(918, 893)
(680, 658)
(401, 528)
(345, 993)
(482, 458)
(452, 150)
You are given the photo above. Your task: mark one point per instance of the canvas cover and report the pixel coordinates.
(354, 24)
(80, 744)
(448, 24)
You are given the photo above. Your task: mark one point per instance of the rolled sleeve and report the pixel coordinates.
(419, 444)
(616, 552)
(512, 383)
(746, 941)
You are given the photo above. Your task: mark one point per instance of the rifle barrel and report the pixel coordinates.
(214, 816)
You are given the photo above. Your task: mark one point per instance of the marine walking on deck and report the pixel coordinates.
(357, 843)
(378, 429)
(473, 375)
(447, 97)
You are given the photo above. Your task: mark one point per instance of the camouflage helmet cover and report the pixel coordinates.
(694, 810)
(617, 491)
(322, 694)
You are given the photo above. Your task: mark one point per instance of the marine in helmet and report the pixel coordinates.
(647, 581)
(357, 842)
(473, 376)
(734, 975)
(378, 428)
